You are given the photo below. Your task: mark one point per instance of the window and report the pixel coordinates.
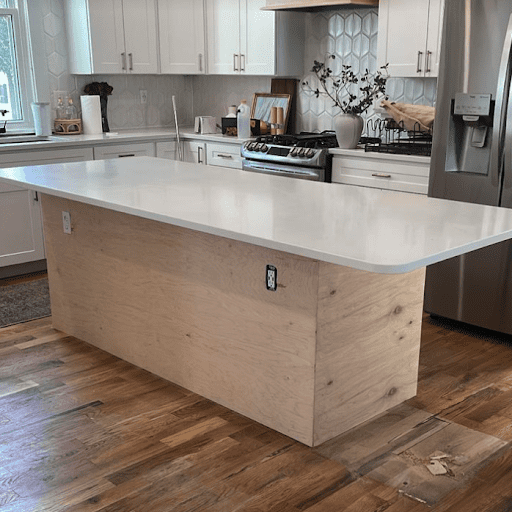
(15, 69)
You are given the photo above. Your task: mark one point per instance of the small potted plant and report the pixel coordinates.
(341, 90)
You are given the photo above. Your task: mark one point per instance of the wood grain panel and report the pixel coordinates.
(369, 329)
(190, 307)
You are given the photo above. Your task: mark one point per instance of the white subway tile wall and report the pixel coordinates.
(349, 33)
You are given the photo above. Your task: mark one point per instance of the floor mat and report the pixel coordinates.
(23, 302)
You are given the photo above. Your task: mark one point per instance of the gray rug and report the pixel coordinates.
(24, 301)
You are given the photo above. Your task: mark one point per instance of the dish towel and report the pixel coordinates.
(411, 117)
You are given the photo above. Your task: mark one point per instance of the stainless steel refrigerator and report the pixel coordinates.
(472, 157)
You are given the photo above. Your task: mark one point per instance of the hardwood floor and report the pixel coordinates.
(81, 430)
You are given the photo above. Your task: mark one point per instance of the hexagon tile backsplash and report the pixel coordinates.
(351, 35)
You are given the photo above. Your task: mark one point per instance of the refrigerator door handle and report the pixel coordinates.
(501, 107)
(507, 149)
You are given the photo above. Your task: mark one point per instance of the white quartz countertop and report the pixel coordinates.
(119, 137)
(368, 229)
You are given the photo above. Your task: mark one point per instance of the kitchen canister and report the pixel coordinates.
(42, 119)
(91, 115)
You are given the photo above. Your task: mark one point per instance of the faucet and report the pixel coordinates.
(3, 128)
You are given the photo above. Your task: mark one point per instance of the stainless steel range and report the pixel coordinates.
(304, 156)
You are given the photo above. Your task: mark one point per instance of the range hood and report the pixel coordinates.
(313, 5)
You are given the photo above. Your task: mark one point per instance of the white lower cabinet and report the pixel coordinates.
(167, 149)
(124, 150)
(401, 173)
(194, 152)
(21, 231)
(224, 155)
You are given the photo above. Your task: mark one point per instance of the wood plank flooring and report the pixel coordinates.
(81, 430)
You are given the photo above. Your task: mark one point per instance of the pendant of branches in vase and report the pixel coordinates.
(352, 94)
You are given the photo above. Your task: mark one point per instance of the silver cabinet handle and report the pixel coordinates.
(418, 67)
(242, 66)
(199, 161)
(130, 56)
(123, 57)
(127, 154)
(222, 155)
(200, 62)
(427, 63)
(379, 175)
(235, 68)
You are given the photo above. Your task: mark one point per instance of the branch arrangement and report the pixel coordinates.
(337, 87)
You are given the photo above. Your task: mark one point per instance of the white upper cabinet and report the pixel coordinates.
(182, 36)
(112, 36)
(242, 39)
(410, 36)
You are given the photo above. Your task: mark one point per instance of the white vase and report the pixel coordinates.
(348, 128)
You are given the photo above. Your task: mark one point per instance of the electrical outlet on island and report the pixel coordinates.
(66, 223)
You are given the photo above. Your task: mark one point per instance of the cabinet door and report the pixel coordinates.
(124, 150)
(434, 36)
(21, 239)
(182, 34)
(223, 27)
(257, 29)
(402, 38)
(140, 36)
(166, 150)
(106, 35)
(194, 152)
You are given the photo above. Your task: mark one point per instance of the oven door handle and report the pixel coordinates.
(278, 170)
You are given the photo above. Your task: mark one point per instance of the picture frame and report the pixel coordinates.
(262, 103)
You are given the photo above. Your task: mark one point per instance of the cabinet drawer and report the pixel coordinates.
(388, 175)
(124, 150)
(224, 155)
(53, 156)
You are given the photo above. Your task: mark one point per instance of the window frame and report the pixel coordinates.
(24, 64)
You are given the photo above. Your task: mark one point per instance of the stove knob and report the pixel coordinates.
(302, 152)
(260, 146)
(294, 152)
(264, 148)
(310, 153)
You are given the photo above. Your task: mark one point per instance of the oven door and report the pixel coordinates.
(289, 171)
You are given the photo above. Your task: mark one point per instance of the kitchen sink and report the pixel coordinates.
(20, 139)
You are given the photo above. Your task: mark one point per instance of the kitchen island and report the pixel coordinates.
(165, 267)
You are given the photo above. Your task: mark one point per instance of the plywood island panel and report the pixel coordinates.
(332, 347)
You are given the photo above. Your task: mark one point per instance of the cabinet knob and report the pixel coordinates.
(418, 66)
